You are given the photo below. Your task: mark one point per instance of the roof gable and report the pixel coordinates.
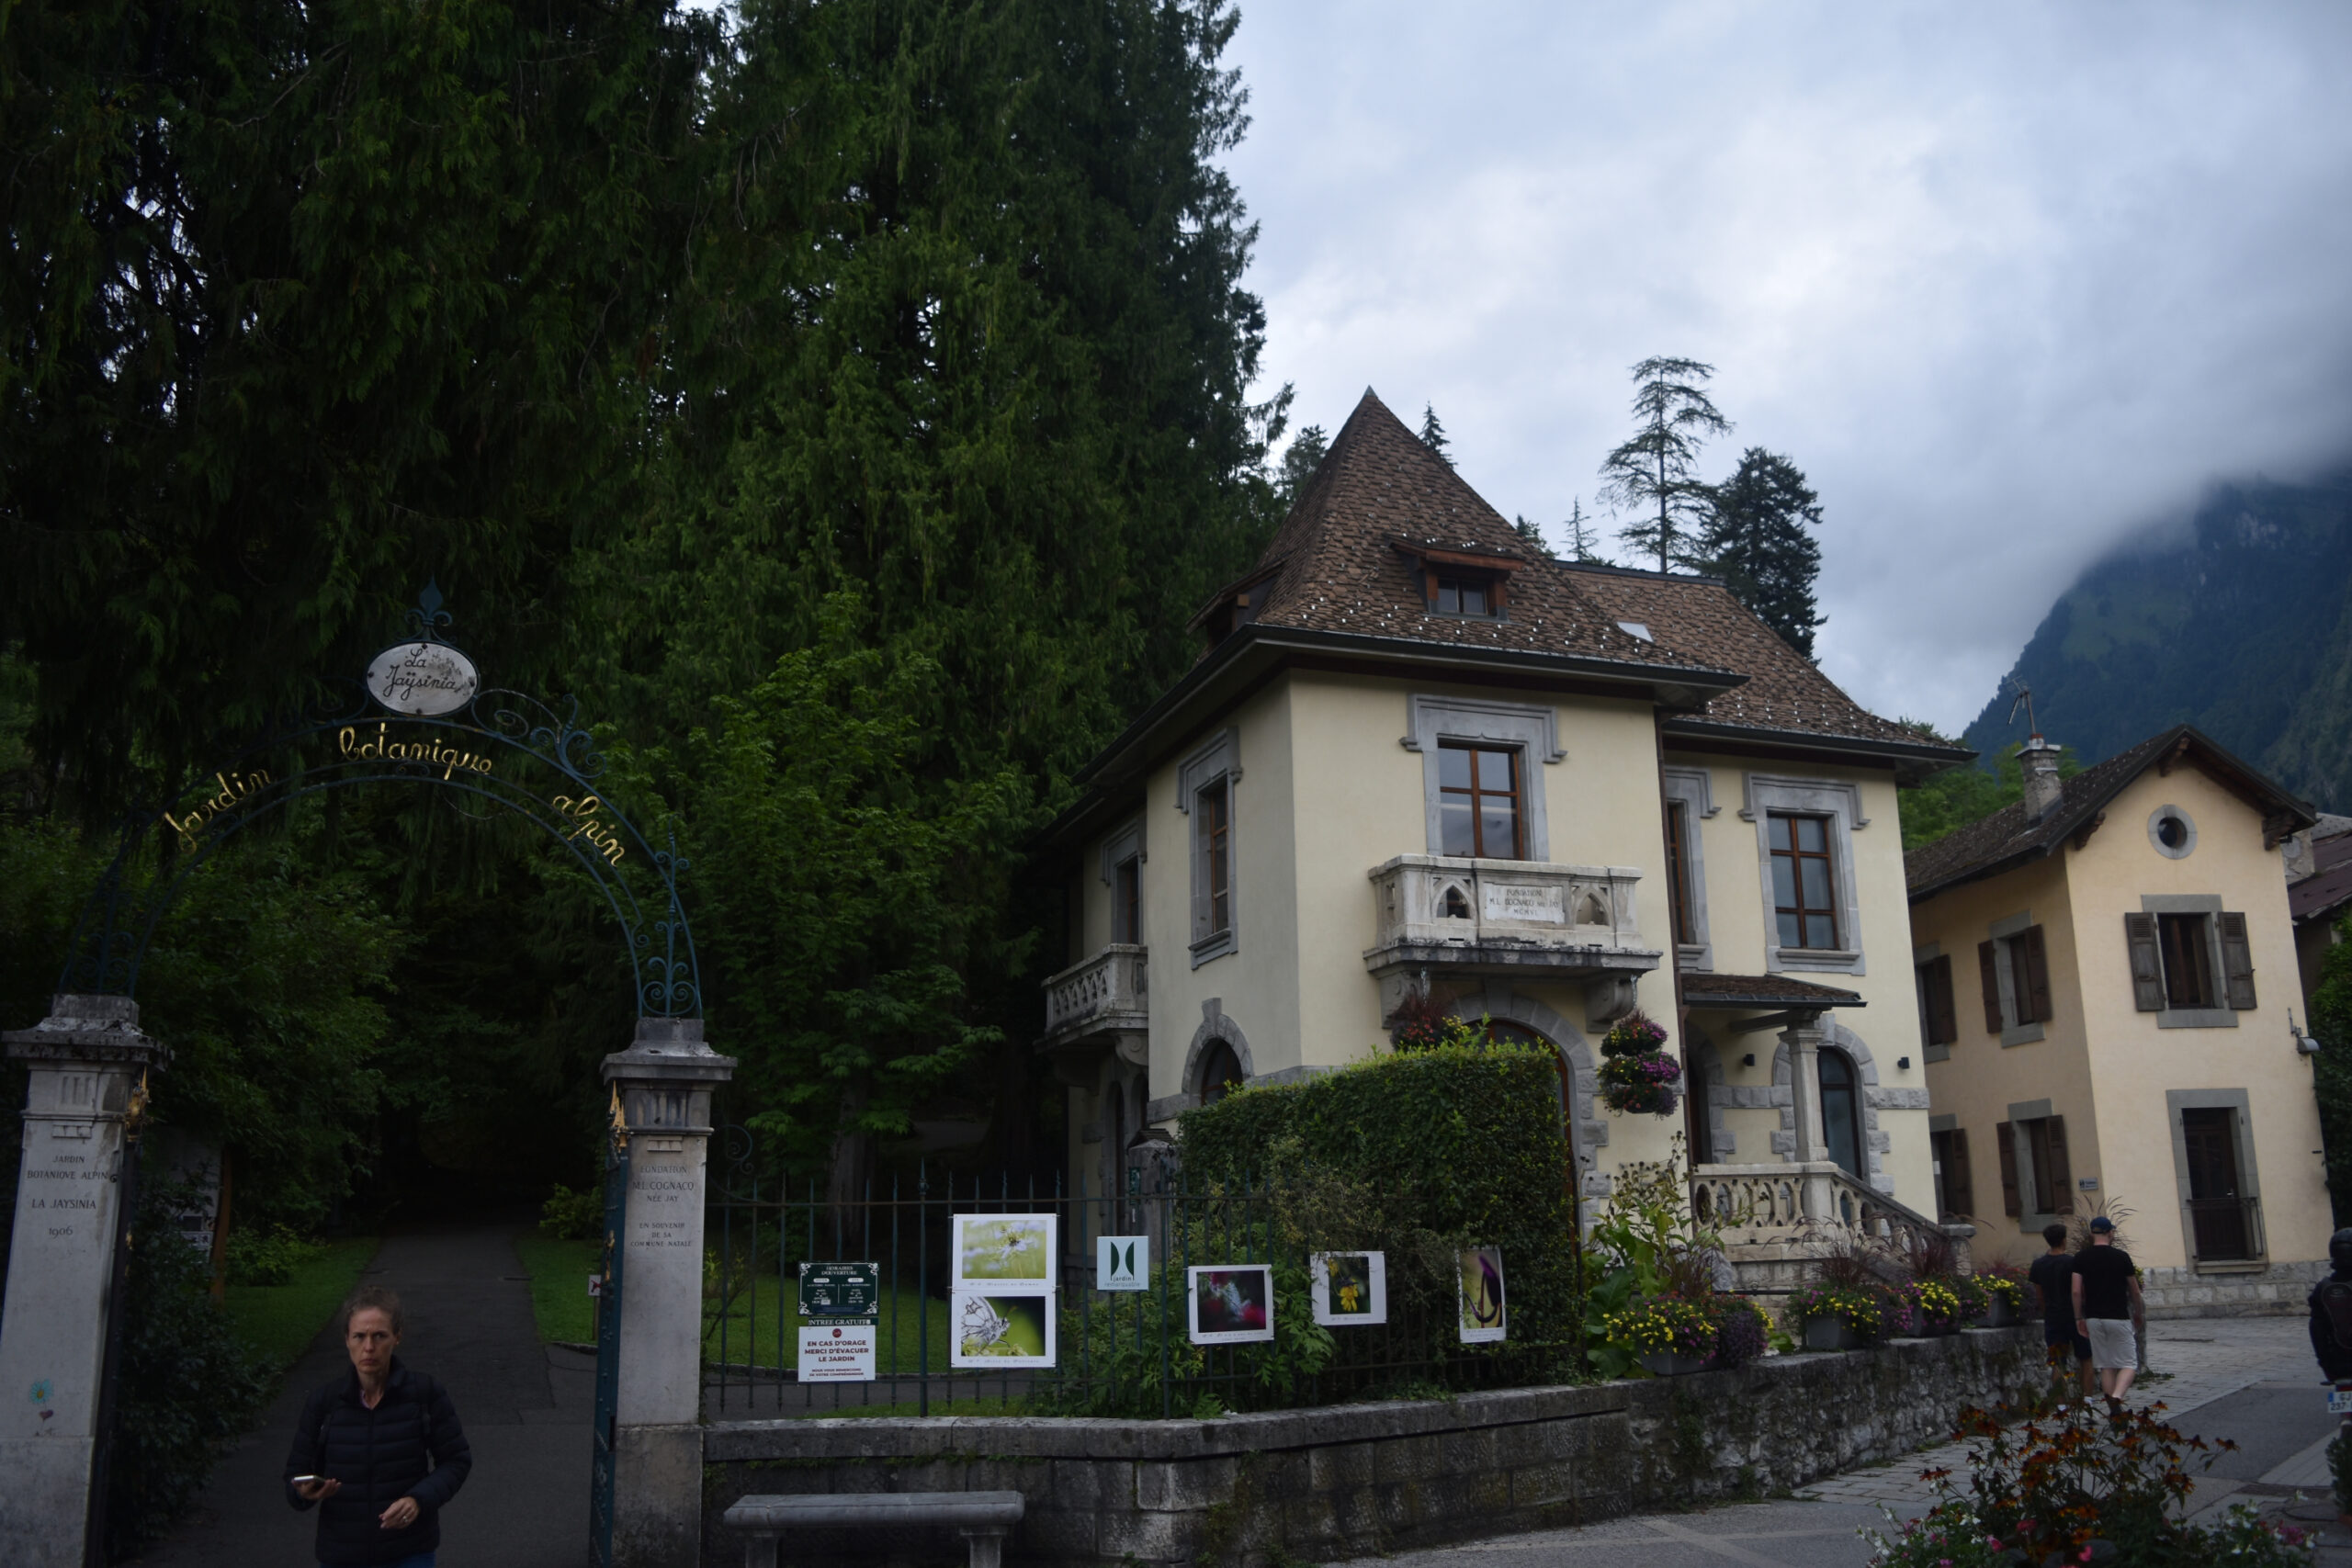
(2006, 839)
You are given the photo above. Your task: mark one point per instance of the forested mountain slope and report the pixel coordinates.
(2244, 629)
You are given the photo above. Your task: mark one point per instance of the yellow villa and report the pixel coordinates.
(1416, 759)
(2105, 978)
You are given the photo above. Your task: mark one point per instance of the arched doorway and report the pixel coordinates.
(1841, 1111)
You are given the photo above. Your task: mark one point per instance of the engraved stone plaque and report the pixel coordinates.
(1523, 904)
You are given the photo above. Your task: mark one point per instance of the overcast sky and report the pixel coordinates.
(2012, 284)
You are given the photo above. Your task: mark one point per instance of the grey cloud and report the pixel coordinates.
(2011, 283)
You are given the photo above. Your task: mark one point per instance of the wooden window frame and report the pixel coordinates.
(1213, 806)
(1796, 857)
(1127, 901)
(1939, 1007)
(1679, 895)
(1212, 773)
(1475, 795)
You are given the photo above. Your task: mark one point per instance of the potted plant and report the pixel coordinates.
(1932, 1308)
(1841, 1317)
(1669, 1335)
(1637, 1075)
(2002, 1294)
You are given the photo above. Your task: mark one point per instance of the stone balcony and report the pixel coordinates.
(1528, 919)
(1099, 1005)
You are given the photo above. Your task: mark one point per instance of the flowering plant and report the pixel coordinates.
(1948, 1535)
(1931, 1304)
(1742, 1331)
(1866, 1312)
(1670, 1324)
(1636, 1076)
(1999, 1281)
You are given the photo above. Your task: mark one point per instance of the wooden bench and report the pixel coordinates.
(984, 1517)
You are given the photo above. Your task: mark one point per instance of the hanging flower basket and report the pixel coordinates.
(1637, 1078)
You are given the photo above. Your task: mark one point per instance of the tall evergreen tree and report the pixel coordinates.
(1583, 538)
(1433, 434)
(1303, 456)
(1531, 534)
(1759, 539)
(1654, 470)
(302, 303)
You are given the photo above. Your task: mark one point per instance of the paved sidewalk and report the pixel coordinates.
(2250, 1379)
(525, 1408)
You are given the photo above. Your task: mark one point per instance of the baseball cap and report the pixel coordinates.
(2102, 1225)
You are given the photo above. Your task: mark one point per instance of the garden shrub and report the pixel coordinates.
(574, 1216)
(188, 1388)
(1419, 1153)
(255, 1257)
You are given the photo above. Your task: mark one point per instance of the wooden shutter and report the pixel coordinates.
(2237, 962)
(1958, 1183)
(2005, 1142)
(1987, 960)
(2062, 1173)
(1943, 1027)
(2147, 965)
(2035, 1004)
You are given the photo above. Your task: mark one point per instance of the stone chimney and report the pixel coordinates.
(2038, 757)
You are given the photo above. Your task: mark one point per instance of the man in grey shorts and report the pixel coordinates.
(2106, 1305)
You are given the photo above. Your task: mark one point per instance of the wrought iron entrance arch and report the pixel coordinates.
(502, 747)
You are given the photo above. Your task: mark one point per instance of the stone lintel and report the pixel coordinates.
(95, 1029)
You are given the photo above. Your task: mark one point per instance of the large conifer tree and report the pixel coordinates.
(1758, 538)
(1652, 473)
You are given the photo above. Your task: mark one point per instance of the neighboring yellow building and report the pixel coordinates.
(1415, 757)
(2105, 975)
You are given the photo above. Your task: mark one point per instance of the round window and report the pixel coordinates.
(2172, 831)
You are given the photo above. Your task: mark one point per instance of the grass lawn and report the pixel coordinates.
(559, 1272)
(278, 1322)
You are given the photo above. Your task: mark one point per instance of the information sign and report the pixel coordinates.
(1121, 1262)
(840, 1303)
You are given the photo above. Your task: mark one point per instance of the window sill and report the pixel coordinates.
(1839, 960)
(2022, 1034)
(1933, 1054)
(1210, 947)
(2231, 1266)
(2198, 1018)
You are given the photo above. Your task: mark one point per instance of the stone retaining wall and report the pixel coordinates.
(2279, 1290)
(1356, 1479)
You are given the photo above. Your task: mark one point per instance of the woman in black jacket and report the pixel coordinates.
(381, 1450)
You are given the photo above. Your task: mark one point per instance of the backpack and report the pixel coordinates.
(2335, 1301)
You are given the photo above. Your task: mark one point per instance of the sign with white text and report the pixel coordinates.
(840, 1303)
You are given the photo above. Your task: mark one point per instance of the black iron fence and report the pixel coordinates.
(1130, 1351)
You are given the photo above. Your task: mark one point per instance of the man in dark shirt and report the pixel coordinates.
(2106, 1306)
(2052, 1275)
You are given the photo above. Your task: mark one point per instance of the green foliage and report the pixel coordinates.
(259, 1257)
(1433, 434)
(845, 887)
(1438, 1148)
(560, 1305)
(2331, 1022)
(187, 1385)
(1757, 541)
(1656, 468)
(574, 1216)
(303, 303)
(1300, 459)
(1958, 796)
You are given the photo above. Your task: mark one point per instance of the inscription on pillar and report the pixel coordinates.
(664, 1202)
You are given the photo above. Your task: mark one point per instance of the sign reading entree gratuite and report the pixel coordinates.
(840, 1314)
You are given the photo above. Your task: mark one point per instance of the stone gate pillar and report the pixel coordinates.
(86, 1058)
(665, 1080)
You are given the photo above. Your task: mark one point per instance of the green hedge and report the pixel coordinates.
(1416, 1152)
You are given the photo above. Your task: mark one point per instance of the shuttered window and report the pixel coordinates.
(2147, 966)
(1955, 1187)
(1938, 1020)
(2189, 967)
(2035, 1168)
(2237, 963)
(2015, 974)
(2005, 1145)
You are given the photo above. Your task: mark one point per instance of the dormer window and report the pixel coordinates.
(1468, 581)
(1465, 596)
